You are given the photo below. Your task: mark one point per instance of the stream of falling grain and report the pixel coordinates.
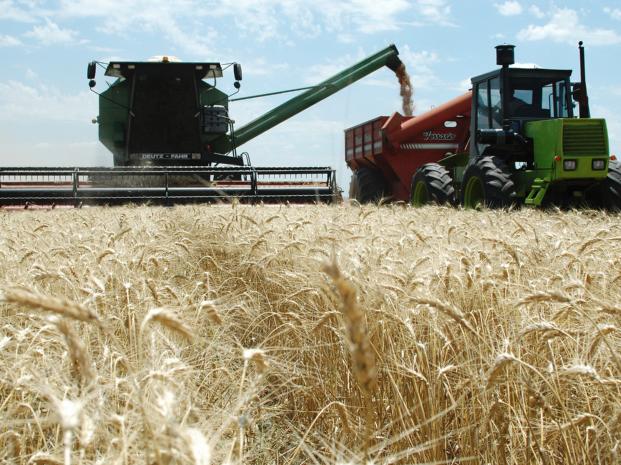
(406, 90)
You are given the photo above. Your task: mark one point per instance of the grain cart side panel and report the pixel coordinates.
(405, 143)
(363, 144)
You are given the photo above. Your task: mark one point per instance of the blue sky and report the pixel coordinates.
(46, 107)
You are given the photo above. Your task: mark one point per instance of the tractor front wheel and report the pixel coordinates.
(487, 183)
(432, 183)
(367, 186)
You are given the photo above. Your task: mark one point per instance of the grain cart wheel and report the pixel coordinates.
(610, 188)
(432, 183)
(487, 183)
(367, 185)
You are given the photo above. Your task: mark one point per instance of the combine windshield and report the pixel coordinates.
(539, 98)
(165, 105)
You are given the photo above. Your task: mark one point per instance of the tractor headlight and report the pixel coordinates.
(569, 165)
(598, 165)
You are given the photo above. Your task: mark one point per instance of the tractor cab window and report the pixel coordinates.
(483, 108)
(495, 103)
(555, 99)
(489, 106)
(537, 98)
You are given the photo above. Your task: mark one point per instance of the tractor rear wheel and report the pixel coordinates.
(367, 185)
(487, 183)
(432, 183)
(610, 188)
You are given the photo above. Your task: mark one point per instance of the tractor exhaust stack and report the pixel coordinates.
(585, 111)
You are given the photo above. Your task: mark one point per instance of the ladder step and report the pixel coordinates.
(537, 192)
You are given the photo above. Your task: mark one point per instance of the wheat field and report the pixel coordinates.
(309, 335)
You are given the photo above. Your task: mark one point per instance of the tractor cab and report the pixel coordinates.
(523, 132)
(506, 100)
(518, 95)
(537, 94)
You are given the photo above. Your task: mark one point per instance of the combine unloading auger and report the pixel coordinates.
(173, 141)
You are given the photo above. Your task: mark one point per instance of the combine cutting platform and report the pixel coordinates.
(75, 187)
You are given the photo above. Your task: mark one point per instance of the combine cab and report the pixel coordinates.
(173, 140)
(165, 114)
(512, 139)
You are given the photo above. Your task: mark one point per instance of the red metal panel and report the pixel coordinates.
(377, 134)
(358, 142)
(423, 139)
(399, 145)
(367, 139)
(349, 145)
(363, 142)
(399, 129)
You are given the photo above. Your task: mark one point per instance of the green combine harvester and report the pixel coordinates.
(173, 140)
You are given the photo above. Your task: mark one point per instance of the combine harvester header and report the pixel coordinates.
(173, 141)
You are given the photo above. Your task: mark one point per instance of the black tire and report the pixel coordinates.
(608, 193)
(432, 183)
(487, 183)
(367, 186)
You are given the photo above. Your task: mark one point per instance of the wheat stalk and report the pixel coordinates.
(169, 319)
(82, 364)
(58, 305)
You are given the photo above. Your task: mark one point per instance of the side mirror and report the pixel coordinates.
(91, 70)
(237, 85)
(237, 71)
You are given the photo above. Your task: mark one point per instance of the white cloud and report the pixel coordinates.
(24, 12)
(536, 11)
(418, 64)
(183, 22)
(464, 85)
(565, 26)
(322, 71)
(346, 38)
(19, 101)
(435, 11)
(9, 41)
(31, 75)
(419, 67)
(50, 33)
(509, 8)
(615, 13)
(259, 66)
(268, 19)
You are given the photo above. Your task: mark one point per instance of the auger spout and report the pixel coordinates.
(387, 57)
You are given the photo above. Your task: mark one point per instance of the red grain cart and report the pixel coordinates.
(384, 153)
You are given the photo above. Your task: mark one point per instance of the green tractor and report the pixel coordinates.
(526, 146)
